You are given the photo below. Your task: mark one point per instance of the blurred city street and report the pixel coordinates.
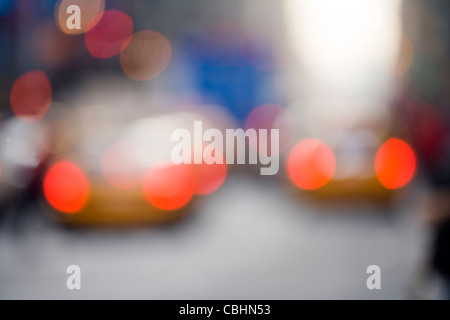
(264, 245)
(235, 149)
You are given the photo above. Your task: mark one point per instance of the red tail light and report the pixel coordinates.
(66, 187)
(311, 164)
(169, 186)
(395, 163)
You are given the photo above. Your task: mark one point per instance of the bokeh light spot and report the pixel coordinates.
(395, 163)
(90, 11)
(271, 116)
(66, 187)
(405, 56)
(119, 166)
(146, 56)
(311, 164)
(106, 39)
(31, 95)
(169, 186)
(209, 176)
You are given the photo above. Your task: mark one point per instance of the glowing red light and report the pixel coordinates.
(395, 163)
(31, 95)
(169, 186)
(110, 35)
(310, 164)
(66, 188)
(209, 177)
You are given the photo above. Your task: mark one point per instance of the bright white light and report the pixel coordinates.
(341, 41)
